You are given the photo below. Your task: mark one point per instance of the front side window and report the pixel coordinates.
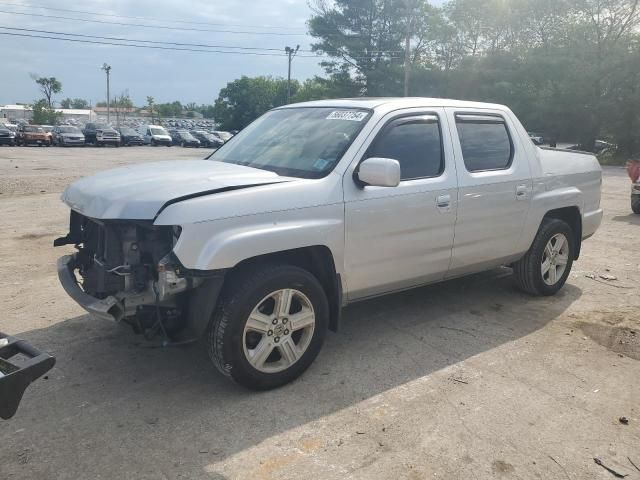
(485, 141)
(416, 143)
(304, 142)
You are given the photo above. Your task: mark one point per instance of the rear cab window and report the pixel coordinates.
(485, 141)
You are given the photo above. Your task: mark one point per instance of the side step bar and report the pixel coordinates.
(27, 366)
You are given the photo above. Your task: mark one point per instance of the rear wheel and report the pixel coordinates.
(269, 326)
(635, 204)
(545, 268)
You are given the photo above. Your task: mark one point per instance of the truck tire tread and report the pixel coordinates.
(527, 270)
(233, 297)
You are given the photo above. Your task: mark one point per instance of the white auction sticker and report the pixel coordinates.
(351, 115)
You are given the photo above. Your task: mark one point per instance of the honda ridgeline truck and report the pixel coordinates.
(316, 205)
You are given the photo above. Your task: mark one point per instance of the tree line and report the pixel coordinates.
(568, 68)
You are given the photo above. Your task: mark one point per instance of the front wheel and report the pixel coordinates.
(635, 204)
(269, 326)
(544, 270)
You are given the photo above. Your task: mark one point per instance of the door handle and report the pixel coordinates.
(443, 202)
(522, 192)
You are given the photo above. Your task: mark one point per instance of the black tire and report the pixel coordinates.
(635, 204)
(225, 337)
(153, 143)
(528, 270)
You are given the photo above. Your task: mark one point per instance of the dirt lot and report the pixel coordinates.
(465, 380)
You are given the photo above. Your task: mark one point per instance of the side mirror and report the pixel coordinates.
(379, 172)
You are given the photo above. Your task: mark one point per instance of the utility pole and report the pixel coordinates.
(407, 63)
(291, 52)
(410, 5)
(107, 69)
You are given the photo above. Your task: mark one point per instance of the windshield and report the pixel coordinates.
(302, 142)
(34, 129)
(158, 131)
(128, 131)
(68, 130)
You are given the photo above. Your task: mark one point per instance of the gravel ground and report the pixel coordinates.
(465, 380)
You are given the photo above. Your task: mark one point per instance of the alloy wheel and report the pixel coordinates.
(555, 259)
(278, 331)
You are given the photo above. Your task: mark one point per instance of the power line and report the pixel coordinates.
(152, 19)
(156, 47)
(162, 27)
(156, 44)
(49, 32)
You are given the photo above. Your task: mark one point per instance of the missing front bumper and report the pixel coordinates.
(109, 308)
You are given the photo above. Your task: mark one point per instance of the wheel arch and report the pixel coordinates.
(573, 217)
(317, 260)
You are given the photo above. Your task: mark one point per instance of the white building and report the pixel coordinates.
(13, 113)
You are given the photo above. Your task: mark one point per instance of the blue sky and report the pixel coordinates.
(166, 75)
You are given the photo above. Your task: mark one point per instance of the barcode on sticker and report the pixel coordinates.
(351, 115)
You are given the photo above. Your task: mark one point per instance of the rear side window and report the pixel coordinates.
(485, 141)
(416, 143)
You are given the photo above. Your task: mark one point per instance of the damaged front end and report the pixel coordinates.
(124, 270)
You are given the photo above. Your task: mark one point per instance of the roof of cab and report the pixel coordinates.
(392, 103)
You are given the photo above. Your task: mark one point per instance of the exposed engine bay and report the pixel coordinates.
(128, 266)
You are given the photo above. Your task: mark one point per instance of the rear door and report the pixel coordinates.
(400, 237)
(495, 186)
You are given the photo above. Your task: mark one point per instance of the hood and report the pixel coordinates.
(71, 135)
(139, 192)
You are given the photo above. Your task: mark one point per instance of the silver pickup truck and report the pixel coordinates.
(316, 205)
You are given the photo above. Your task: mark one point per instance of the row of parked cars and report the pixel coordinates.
(100, 134)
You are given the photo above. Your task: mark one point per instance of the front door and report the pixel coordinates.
(397, 238)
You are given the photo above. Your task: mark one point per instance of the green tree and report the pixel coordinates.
(336, 86)
(49, 86)
(245, 99)
(78, 103)
(364, 37)
(43, 114)
(150, 105)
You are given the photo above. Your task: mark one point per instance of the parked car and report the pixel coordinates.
(129, 137)
(633, 169)
(600, 146)
(207, 139)
(101, 134)
(536, 138)
(224, 136)
(184, 138)
(67, 136)
(32, 135)
(318, 205)
(155, 135)
(7, 137)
